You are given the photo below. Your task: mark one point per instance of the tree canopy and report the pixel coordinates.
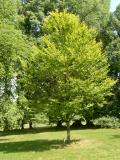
(70, 69)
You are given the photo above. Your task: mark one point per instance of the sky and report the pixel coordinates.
(114, 3)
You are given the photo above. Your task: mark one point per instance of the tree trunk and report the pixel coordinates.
(6, 126)
(68, 132)
(30, 125)
(59, 124)
(22, 124)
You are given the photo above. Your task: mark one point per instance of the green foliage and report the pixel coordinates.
(111, 32)
(97, 12)
(114, 57)
(25, 93)
(40, 119)
(33, 12)
(27, 111)
(107, 122)
(8, 10)
(14, 55)
(70, 69)
(116, 20)
(113, 53)
(114, 61)
(12, 49)
(113, 48)
(10, 115)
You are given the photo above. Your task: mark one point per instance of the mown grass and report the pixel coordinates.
(48, 144)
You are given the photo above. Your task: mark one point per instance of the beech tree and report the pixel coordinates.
(70, 72)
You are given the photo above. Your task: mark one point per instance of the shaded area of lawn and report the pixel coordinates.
(31, 131)
(116, 136)
(27, 146)
(41, 130)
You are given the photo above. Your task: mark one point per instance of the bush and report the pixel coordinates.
(107, 122)
(9, 116)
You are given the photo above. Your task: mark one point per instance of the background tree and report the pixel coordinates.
(71, 71)
(33, 12)
(25, 92)
(113, 49)
(111, 45)
(96, 14)
(14, 53)
(114, 61)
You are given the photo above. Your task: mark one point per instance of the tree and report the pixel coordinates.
(110, 36)
(113, 50)
(96, 14)
(24, 88)
(70, 72)
(34, 11)
(113, 53)
(14, 54)
(116, 21)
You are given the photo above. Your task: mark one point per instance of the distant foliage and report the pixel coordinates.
(8, 10)
(107, 122)
(33, 12)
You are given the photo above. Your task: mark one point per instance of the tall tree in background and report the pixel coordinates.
(95, 13)
(116, 21)
(113, 50)
(24, 89)
(12, 54)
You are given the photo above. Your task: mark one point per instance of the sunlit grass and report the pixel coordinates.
(48, 144)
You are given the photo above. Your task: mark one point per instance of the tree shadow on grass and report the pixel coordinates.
(28, 146)
(5, 139)
(40, 130)
(31, 131)
(39, 145)
(116, 136)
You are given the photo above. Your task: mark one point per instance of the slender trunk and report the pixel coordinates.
(68, 132)
(30, 125)
(59, 124)
(6, 126)
(22, 124)
(6, 89)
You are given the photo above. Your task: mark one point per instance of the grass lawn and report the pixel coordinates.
(47, 144)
